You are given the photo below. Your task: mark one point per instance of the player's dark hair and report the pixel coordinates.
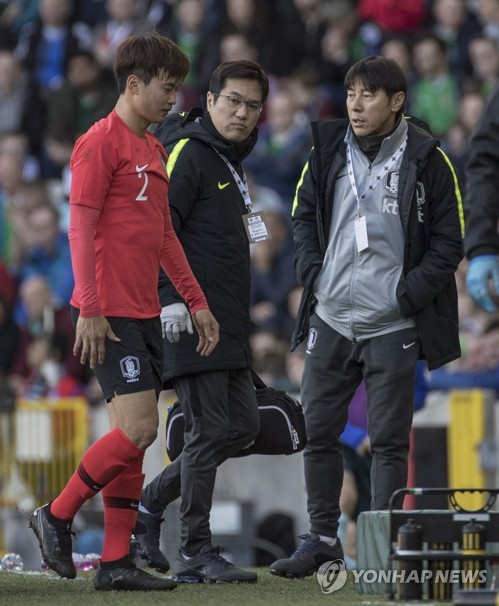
(148, 56)
(377, 73)
(239, 70)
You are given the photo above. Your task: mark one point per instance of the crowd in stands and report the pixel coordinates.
(56, 79)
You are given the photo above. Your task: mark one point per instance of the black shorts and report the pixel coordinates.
(136, 362)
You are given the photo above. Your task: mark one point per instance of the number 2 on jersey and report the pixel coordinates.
(141, 197)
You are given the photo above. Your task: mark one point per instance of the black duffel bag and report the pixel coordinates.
(282, 425)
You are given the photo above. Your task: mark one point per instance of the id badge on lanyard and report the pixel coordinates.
(254, 222)
(360, 223)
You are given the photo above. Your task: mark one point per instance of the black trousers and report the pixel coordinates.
(334, 367)
(221, 417)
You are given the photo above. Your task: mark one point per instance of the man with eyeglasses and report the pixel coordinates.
(211, 213)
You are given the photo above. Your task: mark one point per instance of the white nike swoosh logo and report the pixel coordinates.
(139, 169)
(404, 346)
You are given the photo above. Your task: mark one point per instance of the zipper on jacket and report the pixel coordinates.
(352, 283)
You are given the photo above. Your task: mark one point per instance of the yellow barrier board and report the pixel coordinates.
(465, 433)
(41, 444)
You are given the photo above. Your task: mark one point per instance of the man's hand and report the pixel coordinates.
(175, 318)
(208, 330)
(480, 271)
(91, 334)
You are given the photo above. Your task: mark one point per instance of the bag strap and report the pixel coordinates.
(257, 381)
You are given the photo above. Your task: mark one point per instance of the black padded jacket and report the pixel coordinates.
(207, 208)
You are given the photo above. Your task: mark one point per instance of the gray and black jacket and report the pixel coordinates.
(426, 291)
(206, 208)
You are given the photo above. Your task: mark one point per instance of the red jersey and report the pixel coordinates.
(116, 263)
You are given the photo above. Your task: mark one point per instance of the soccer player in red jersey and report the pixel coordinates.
(121, 234)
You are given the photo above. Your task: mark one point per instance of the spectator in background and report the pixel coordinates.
(484, 58)
(14, 230)
(236, 46)
(456, 142)
(86, 96)
(13, 239)
(293, 369)
(17, 143)
(478, 367)
(399, 49)
(471, 108)
(22, 109)
(282, 147)
(48, 375)
(15, 15)
(312, 101)
(91, 12)
(272, 269)
(48, 254)
(28, 195)
(159, 13)
(124, 19)
(488, 15)
(300, 26)
(43, 317)
(456, 26)
(46, 44)
(9, 331)
(188, 27)
(252, 19)
(394, 17)
(435, 96)
(268, 357)
(339, 48)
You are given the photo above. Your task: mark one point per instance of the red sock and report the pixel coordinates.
(121, 502)
(102, 462)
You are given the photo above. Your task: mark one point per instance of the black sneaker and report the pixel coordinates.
(147, 532)
(307, 558)
(55, 542)
(208, 566)
(130, 578)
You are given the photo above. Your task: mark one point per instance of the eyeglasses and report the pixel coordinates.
(236, 103)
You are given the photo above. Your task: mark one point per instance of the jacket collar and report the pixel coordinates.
(387, 145)
(197, 124)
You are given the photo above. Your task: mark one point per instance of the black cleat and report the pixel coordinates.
(308, 558)
(208, 566)
(130, 578)
(55, 542)
(147, 532)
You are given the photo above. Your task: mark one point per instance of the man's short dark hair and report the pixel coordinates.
(149, 56)
(239, 70)
(377, 73)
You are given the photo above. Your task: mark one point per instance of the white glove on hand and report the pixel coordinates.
(175, 318)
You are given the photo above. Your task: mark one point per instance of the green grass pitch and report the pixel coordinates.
(41, 588)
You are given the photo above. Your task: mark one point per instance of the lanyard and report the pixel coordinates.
(242, 184)
(378, 178)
